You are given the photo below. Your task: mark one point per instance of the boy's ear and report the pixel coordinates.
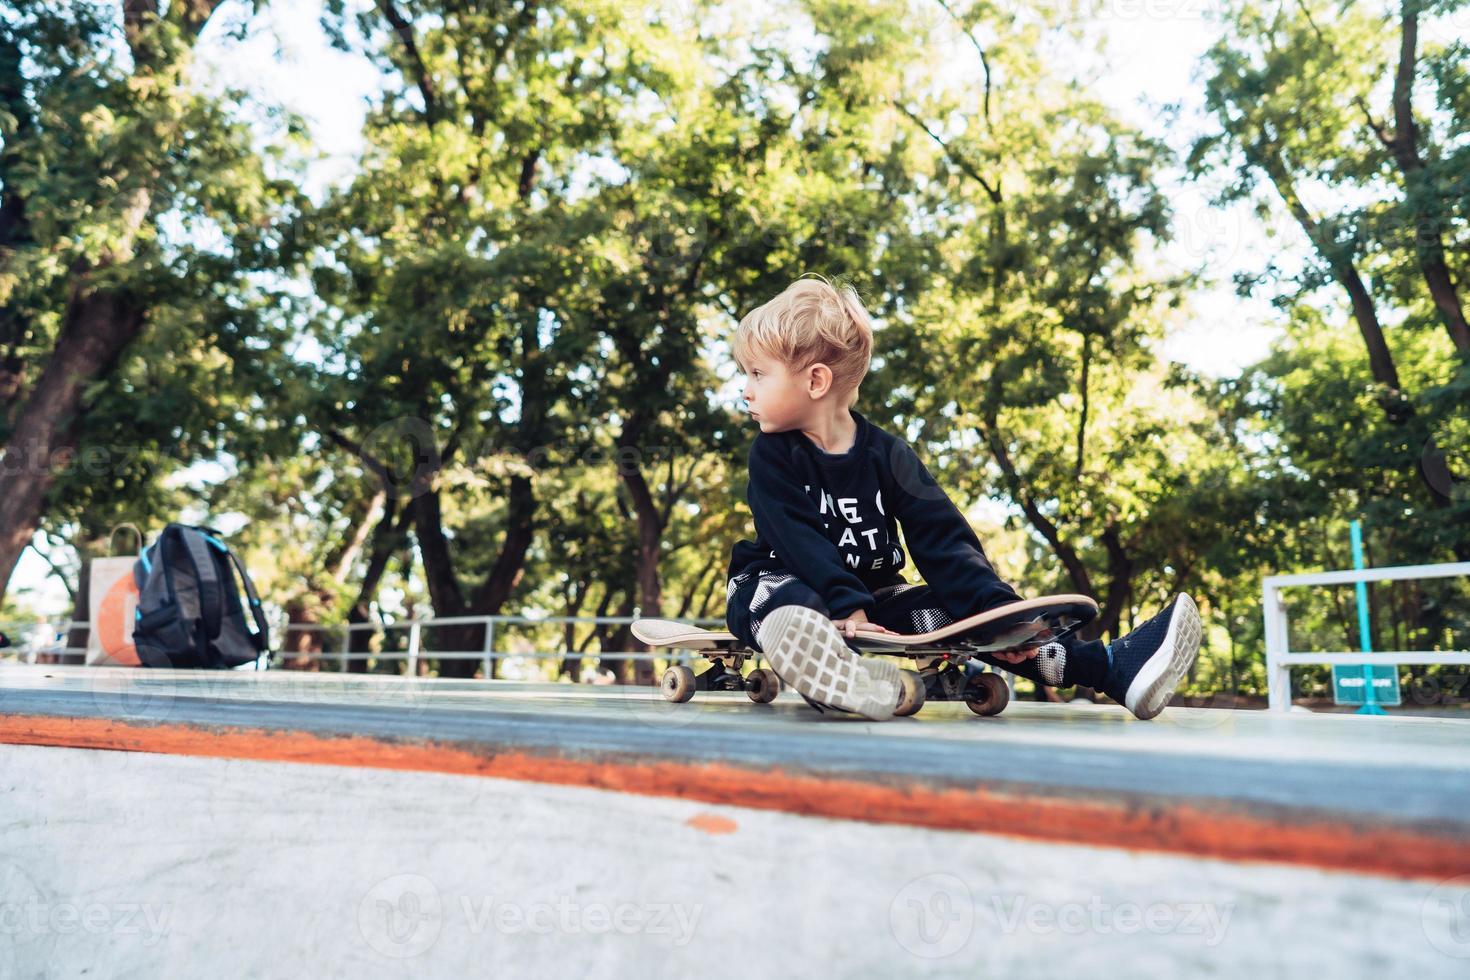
(819, 379)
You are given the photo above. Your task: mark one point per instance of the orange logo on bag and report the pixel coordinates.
(115, 622)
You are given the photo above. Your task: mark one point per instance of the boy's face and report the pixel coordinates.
(777, 398)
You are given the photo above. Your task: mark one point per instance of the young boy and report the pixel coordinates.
(828, 490)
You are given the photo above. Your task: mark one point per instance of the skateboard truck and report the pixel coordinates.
(720, 677)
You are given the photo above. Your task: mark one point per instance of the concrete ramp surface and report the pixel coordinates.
(293, 824)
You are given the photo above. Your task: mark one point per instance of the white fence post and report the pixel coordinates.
(1278, 674)
(413, 650)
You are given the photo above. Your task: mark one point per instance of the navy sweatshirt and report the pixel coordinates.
(832, 519)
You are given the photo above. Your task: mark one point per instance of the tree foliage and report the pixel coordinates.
(489, 371)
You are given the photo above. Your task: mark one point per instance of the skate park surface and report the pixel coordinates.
(309, 824)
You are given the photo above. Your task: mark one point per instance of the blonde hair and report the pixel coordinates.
(811, 321)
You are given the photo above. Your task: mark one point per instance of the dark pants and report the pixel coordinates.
(909, 609)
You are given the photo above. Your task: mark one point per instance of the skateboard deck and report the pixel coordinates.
(939, 654)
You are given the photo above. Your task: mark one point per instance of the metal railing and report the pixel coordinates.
(487, 654)
(32, 639)
(1279, 657)
(414, 650)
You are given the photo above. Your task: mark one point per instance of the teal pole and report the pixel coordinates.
(1365, 641)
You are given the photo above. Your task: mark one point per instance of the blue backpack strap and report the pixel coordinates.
(261, 636)
(211, 591)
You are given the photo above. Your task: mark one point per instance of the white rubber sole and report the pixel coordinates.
(1160, 675)
(809, 654)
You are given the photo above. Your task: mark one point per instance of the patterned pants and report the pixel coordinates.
(904, 608)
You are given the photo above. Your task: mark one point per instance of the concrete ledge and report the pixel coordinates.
(162, 865)
(1028, 811)
(1087, 775)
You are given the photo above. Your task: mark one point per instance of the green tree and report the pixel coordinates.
(1296, 90)
(135, 216)
(1030, 282)
(465, 235)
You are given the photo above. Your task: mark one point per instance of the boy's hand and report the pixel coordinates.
(1018, 654)
(858, 621)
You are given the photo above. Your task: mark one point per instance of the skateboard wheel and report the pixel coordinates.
(911, 697)
(677, 684)
(987, 694)
(763, 685)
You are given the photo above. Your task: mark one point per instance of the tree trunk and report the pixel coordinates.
(1421, 194)
(1120, 565)
(444, 591)
(303, 647)
(1065, 552)
(98, 325)
(572, 665)
(616, 639)
(352, 548)
(520, 529)
(1120, 587)
(492, 593)
(1392, 399)
(1365, 313)
(388, 536)
(650, 535)
(14, 225)
(700, 586)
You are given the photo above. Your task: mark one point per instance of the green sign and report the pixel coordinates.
(1349, 684)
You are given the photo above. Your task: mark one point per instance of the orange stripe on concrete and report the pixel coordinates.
(1176, 828)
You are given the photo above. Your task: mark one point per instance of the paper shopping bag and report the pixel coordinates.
(113, 599)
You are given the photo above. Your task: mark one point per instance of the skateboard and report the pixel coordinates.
(939, 655)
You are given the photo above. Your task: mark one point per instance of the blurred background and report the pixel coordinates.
(427, 305)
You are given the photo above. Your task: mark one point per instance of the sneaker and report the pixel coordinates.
(810, 655)
(1149, 662)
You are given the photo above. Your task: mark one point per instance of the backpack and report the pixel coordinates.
(189, 613)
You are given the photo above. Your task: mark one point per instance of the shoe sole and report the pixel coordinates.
(808, 653)
(1160, 675)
